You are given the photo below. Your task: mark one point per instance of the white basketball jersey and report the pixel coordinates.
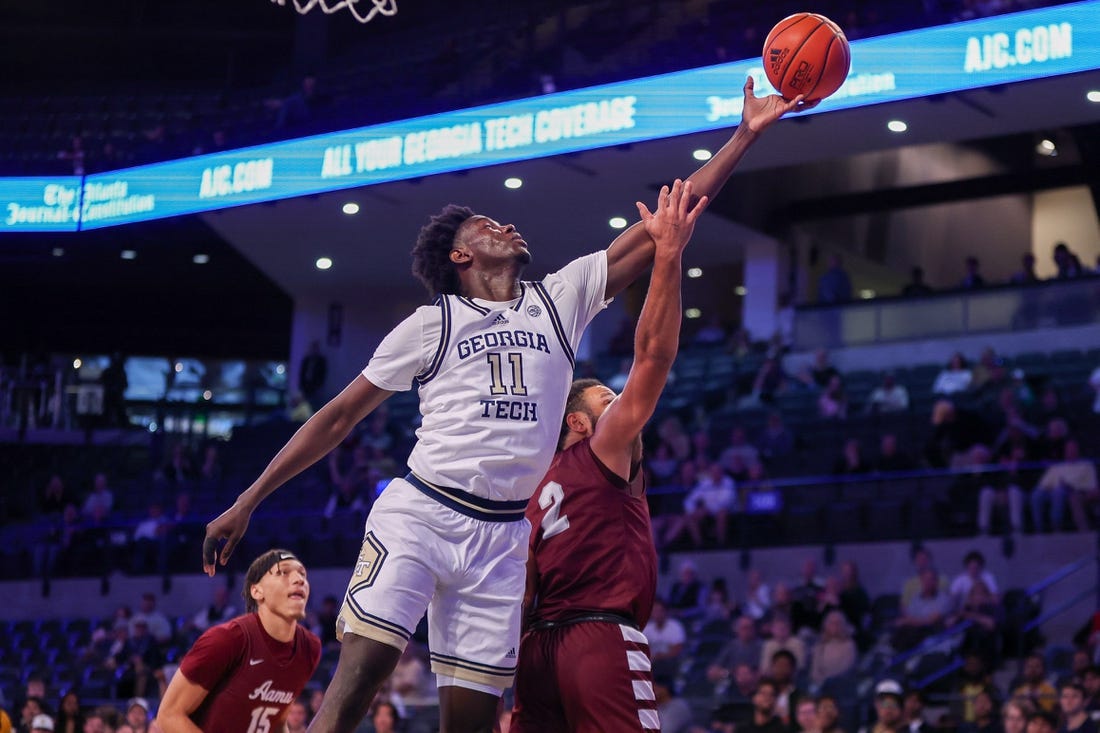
(493, 379)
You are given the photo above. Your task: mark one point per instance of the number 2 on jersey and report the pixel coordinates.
(496, 369)
(550, 498)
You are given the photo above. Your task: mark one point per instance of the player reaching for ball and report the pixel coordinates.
(493, 360)
(592, 569)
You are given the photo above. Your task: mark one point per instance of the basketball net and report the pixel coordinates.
(385, 7)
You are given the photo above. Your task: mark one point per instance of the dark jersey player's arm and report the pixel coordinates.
(182, 698)
(656, 340)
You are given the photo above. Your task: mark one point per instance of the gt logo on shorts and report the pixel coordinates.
(371, 557)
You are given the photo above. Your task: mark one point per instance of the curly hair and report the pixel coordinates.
(431, 254)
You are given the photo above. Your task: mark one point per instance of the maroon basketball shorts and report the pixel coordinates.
(587, 677)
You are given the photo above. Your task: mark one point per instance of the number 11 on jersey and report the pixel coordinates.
(496, 369)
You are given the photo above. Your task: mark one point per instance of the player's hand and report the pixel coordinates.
(760, 112)
(230, 526)
(672, 224)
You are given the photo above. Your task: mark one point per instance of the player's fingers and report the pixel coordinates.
(685, 197)
(662, 198)
(749, 85)
(209, 554)
(643, 211)
(698, 209)
(230, 545)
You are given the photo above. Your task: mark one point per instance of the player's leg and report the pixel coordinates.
(538, 707)
(364, 665)
(608, 687)
(474, 622)
(391, 584)
(463, 710)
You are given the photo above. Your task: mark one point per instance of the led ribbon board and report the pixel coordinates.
(999, 50)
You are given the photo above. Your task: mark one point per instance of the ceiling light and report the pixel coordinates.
(701, 154)
(740, 290)
(58, 251)
(178, 367)
(866, 294)
(280, 369)
(1046, 147)
(513, 182)
(77, 363)
(207, 395)
(694, 272)
(128, 254)
(1093, 95)
(351, 208)
(323, 263)
(201, 258)
(896, 126)
(692, 313)
(617, 222)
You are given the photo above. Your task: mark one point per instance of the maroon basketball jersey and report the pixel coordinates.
(251, 677)
(591, 541)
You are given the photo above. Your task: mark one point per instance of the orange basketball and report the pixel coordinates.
(806, 54)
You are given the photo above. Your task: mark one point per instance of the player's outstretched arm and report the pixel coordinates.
(631, 253)
(657, 336)
(182, 698)
(321, 434)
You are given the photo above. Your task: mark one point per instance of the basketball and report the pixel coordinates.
(806, 54)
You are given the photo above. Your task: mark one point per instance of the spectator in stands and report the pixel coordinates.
(834, 287)
(98, 544)
(718, 606)
(744, 648)
(835, 651)
(1051, 444)
(805, 716)
(663, 465)
(700, 448)
(889, 696)
(787, 694)
(1075, 715)
(782, 607)
(1072, 481)
(185, 529)
(739, 447)
(758, 598)
(925, 614)
(312, 372)
(986, 618)
(819, 372)
(921, 557)
(985, 715)
(149, 548)
(666, 637)
(70, 718)
(219, 610)
(973, 570)
(973, 279)
(916, 286)
(776, 441)
(137, 715)
(713, 498)
(41, 724)
(764, 717)
(1042, 721)
(1079, 666)
(158, 624)
(300, 106)
(832, 403)
(954, 431)
(989, 373)
(828, 715)
(101, 497)
(851, 461)
(954, 378)
(178, 471)
(855, 603)
(912, 711)
(1090, 680)
(890, 457)
(1068, 264)
(770, 381)
(211, 470)
(888, 397)
(804, 594)
(33, 707)
(353, 489)
(53, 497)
(685, 599)
(674, 712)
(297, 717)
(1014, 715)
(782, 641)
(1034, 686)
(1026, 274)
(671, 431)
